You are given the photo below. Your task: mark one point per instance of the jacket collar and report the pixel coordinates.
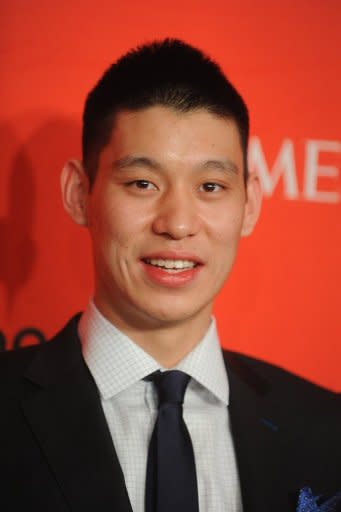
(274, 441)
(64, 411)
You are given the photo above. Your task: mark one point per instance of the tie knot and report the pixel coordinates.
(170, 385)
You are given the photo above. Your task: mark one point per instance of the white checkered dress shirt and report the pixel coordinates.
(118, 366)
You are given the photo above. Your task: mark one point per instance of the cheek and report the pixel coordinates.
(225, 228)
(115, 226)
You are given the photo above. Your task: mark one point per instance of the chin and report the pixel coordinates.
(173, 313)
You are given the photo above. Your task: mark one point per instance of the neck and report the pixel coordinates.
(168, 343)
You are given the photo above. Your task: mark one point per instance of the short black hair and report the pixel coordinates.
(170, 73)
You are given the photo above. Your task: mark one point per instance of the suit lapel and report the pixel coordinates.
(261, 441)
(65, 414)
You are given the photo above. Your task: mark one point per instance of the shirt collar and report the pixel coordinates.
(205, 364)
(116, 362)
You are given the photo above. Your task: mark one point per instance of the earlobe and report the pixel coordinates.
(253, 204)
(74, 188)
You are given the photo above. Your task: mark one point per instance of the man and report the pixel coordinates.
(164, 190)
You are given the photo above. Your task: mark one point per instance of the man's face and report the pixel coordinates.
(165, 214)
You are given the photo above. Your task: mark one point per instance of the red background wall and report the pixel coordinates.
(282, 302)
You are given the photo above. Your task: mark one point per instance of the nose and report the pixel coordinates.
(177, 215)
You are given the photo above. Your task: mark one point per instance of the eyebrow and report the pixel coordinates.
(135, 161)
(143, 161)
(223, 165)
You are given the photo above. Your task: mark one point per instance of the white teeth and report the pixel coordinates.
(171, 264)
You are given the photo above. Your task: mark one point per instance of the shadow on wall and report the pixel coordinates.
(45, 150)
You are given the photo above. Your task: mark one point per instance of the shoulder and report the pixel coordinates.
(14, 364)
(282, 387)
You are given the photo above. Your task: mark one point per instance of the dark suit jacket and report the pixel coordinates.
(57, 455)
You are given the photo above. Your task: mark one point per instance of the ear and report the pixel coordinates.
(75, 188)
(253, 203)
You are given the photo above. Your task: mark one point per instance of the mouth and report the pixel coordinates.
(171, 265)
(172, 269)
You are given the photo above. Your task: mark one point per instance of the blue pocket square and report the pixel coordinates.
(307, 502)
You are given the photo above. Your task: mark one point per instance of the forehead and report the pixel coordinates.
(160, 131)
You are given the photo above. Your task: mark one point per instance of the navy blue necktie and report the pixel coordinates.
(171, 483)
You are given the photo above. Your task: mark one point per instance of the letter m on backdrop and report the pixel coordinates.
(284, 167)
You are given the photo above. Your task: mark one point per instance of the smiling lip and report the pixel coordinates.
(173, 255)
(167, 278)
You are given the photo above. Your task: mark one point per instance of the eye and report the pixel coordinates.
(211, 187)
(142, 184)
